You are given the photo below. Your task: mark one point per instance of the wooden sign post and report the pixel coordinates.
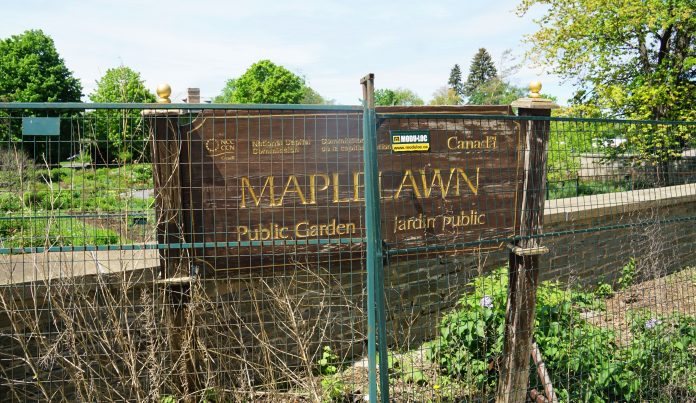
(523, 275)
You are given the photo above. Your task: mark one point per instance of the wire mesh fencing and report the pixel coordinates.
(217, 252)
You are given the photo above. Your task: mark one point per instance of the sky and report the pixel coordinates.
(332, 44)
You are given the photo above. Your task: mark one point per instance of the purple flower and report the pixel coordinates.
(651, 323)
(486, 302)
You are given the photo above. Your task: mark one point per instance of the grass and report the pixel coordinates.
(579, 187)
(18, 231)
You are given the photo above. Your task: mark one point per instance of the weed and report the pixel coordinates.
(628, 275)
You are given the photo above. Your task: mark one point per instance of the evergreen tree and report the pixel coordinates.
(455, 80)
(482, 70)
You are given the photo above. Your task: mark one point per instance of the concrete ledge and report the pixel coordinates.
(33, 267)
(585, 207)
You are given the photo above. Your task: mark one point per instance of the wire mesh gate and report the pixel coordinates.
(87, 314)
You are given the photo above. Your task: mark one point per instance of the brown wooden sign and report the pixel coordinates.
(263, 188)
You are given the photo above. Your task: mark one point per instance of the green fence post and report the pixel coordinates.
(376, 324)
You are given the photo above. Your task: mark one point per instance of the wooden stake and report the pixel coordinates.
(543, 374)
(523, 272)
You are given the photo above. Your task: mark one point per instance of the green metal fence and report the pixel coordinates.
(286, 252)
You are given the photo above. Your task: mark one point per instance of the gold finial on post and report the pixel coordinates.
(163, 93)
(534, 101)
(535, 88)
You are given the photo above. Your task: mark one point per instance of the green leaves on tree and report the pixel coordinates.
(119, 134)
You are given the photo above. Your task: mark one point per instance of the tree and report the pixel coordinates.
(119, 133)
(445, 96)
(399, 96)
(32, 71)
(481, 71)
(455, 80)
(311, 97)
(264, 83)
(495, 91)
(633, 59)
(227, 93)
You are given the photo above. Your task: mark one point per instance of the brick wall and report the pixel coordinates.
(240, 315)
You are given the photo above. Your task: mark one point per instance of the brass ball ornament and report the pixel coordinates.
(164, 90)
(535, 88)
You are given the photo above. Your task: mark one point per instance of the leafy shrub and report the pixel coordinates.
(662, 354)
(472, 336)
(47, 199)
(604, 290)
(628, 274)
(61, 174)
(10, 202)
(584, 361)
(142, 172)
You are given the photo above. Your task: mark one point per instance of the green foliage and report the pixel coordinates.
(10, 202)
(582, 187)
(481, 71)
(403, 367)
(495, 91)
(21, 231)
(332, 385)
(662, 355)
(264, 83)
(311, 97)
(445, 96)
(32, 71)
(334, 388)
(567, 141)
(227, 93)
(397, 97)
(471, 337)
(93, 190)
(604, 290)
(328, 362)
(629, 59)
(628, 274)
(119, 134)
(585, 362)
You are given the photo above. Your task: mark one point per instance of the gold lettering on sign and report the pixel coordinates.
(257, 200)
(418, 222)
(303, 229)
(455, 143)
(222, 148)
(444, 222)
(269, 147)
(463, 219)
(421, 184)
(313, 188)
(347, 145)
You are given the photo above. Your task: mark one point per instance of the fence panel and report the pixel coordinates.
(154, 252)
